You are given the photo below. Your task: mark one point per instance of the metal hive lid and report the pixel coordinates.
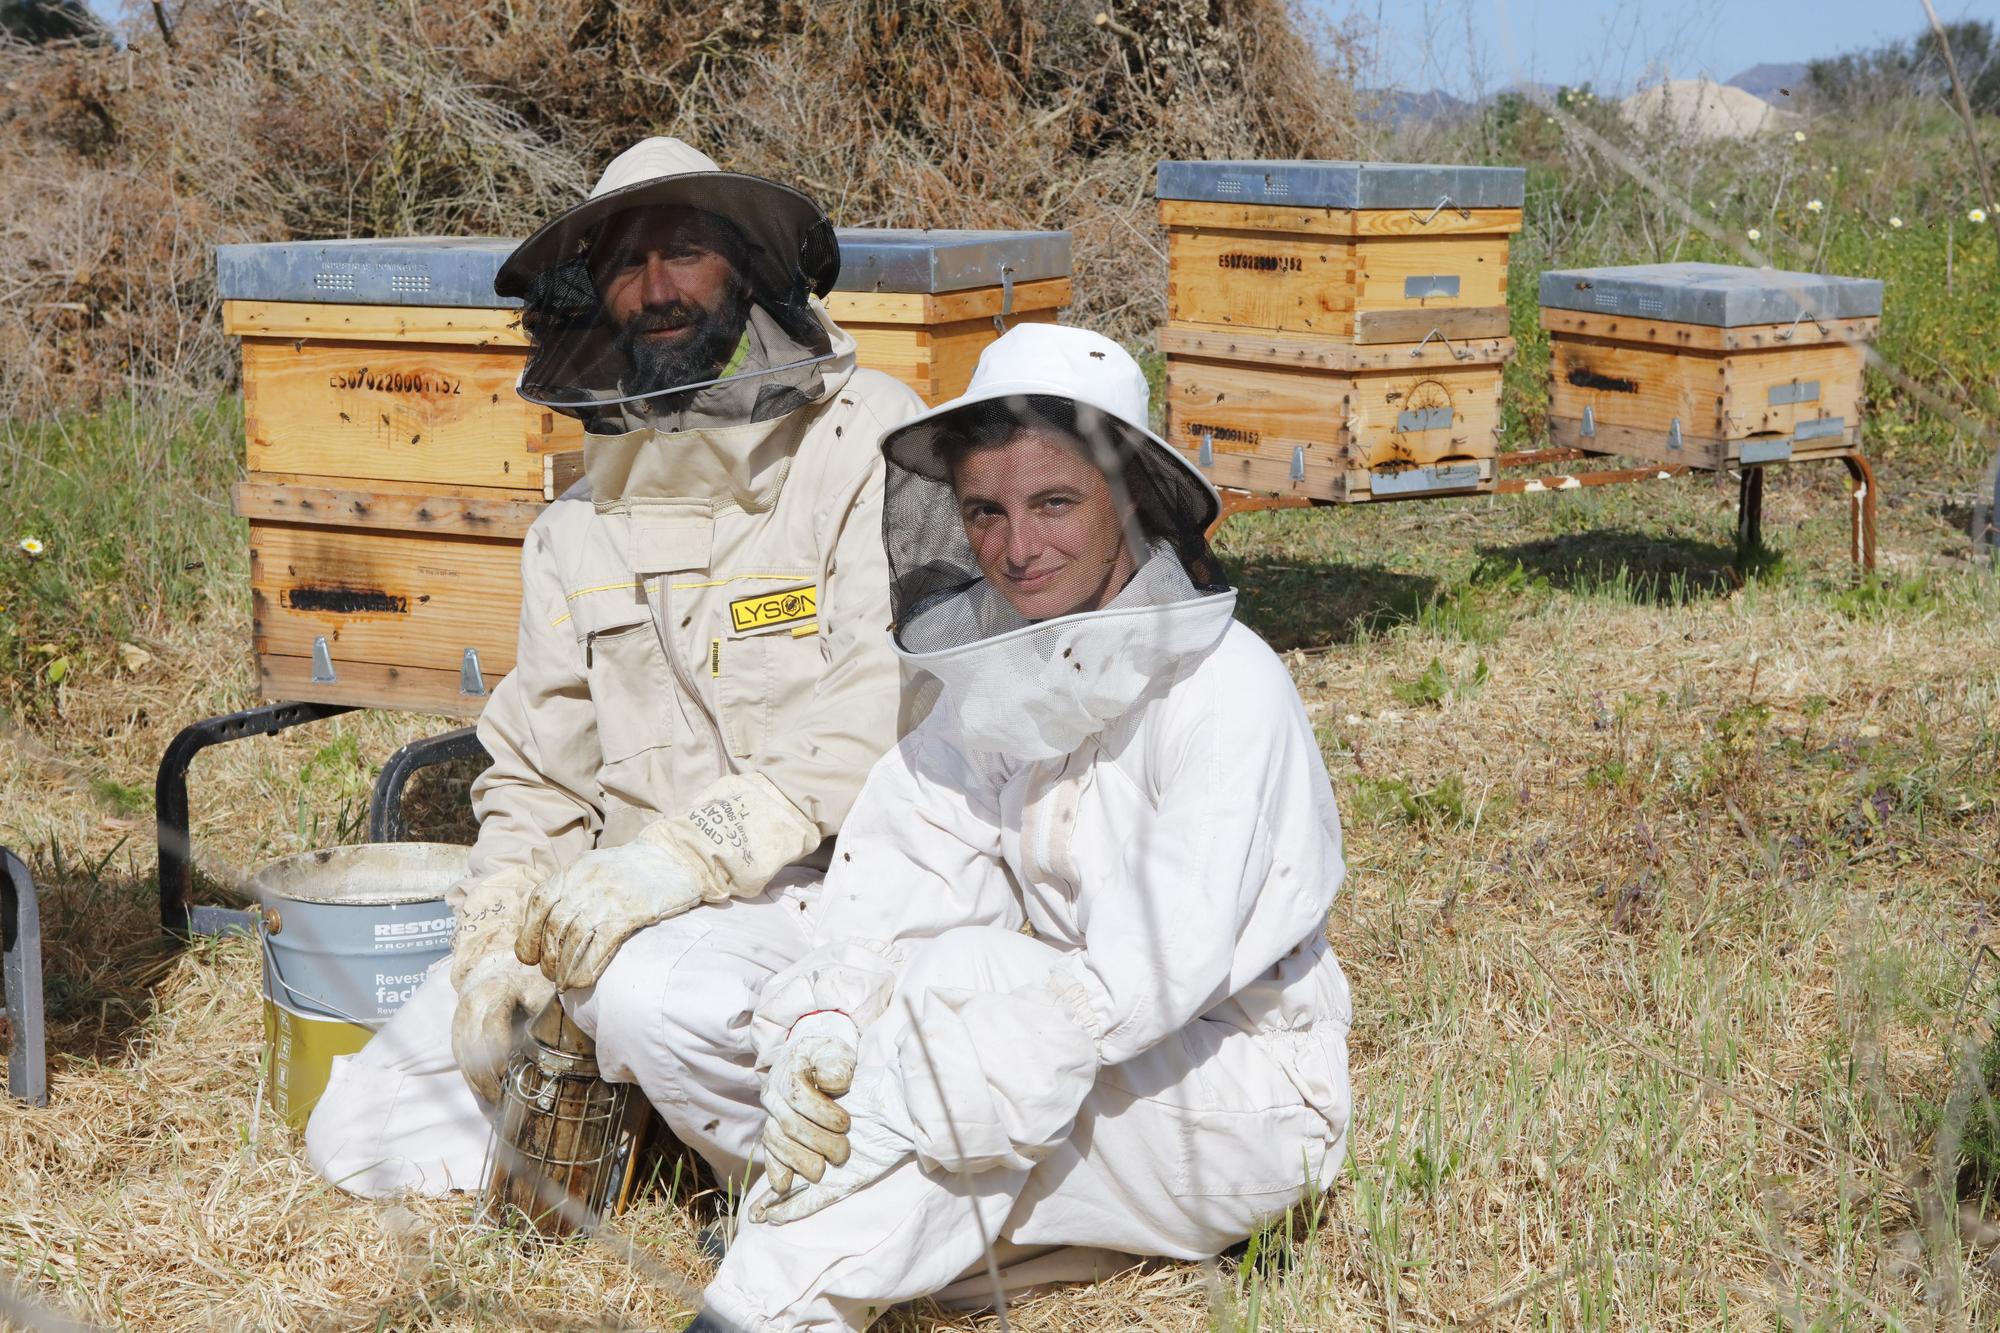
(1719, 295)
(459, 271)
(890, 259)
(400, 270)
(1306, 184)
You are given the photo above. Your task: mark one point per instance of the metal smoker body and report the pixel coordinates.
(567, 1150)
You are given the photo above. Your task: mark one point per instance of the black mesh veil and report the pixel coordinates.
(1162, 505)
(780, 251)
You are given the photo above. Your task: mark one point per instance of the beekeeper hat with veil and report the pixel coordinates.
(1049, 563)
(675, 289)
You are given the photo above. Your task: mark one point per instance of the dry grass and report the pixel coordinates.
(1659, 926)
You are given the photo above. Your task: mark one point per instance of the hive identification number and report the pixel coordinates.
(1228, 439)
(395, 381)
(1260, 263)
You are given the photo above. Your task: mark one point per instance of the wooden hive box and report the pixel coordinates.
(1710, 365)
(921, 304)
(1336, 330)
(392, 472)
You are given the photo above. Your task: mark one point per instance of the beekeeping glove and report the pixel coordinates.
(879, 1136)
(804, 1127)
(495, 1002)
(739, 833)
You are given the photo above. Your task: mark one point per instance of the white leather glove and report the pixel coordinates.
(740, 833)
(495, 1001)
(804, 1127)
(575, 921)
(879, 1136)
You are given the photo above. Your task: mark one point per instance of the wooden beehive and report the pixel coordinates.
(1336, 330)
(1709, 365)
(392, 470)
(921, 304)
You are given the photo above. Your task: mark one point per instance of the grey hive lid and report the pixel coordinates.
(402, 270)
(1720, 295)
(1342, 184)
(459, 271)
(888, 259)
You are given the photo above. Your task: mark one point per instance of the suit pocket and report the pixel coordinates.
(764, 682)
(1277, 1152)
(631, 689)
(743, 689)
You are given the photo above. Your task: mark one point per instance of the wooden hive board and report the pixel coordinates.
(1714, 395)
(428, 413)
(1703, 453)
(1264, 423)
(1375, 275)
(384, 599)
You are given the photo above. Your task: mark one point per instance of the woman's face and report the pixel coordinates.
(1044, 525)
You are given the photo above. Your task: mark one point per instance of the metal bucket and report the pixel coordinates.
(348, 935)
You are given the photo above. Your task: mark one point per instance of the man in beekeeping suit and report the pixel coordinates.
(702, 679)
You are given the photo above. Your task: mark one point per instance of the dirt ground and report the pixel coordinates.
(1670, 895)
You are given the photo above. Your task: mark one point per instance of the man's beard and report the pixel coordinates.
(695, 357)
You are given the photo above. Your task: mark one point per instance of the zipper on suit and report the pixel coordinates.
(662, 612)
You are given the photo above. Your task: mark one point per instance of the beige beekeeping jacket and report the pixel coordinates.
(707, 601)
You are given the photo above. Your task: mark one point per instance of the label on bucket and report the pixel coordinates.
(353, 962)
(428, 933)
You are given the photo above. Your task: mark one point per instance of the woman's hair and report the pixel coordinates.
(1002, 422)
(1166, 509)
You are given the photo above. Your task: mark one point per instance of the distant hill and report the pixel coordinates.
(1769, 82)
(1399, 106)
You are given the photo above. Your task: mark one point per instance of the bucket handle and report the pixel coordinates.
(271, 961)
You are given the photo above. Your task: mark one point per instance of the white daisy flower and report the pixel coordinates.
(32, 545)
(1815, 206)
(1976, 215)
(1755, 235)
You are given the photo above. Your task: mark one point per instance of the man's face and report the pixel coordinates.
(677, 300)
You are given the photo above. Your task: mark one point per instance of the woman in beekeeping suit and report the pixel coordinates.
(1070, 985)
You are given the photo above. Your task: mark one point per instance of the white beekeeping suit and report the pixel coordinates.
(702, 680)
(1070, 980)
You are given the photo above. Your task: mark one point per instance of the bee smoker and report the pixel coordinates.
(567, 1150)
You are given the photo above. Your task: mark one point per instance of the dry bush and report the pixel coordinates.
(359, 117)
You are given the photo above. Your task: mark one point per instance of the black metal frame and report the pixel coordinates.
(385, 803)
(170, 801)
(179, 917)
(27, 1020)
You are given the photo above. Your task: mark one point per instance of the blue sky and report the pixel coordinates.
(1469, 46)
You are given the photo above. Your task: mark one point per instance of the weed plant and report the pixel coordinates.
(116, 525)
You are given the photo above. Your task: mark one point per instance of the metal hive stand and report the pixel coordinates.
(1749, 505)
(27, 1022)
(181, 918)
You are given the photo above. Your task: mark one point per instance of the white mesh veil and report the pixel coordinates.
(1097, 587)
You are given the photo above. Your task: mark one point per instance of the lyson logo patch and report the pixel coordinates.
(774, 608)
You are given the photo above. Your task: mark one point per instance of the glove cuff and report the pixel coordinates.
(739, 833)
(486, 915)
(835, 1023)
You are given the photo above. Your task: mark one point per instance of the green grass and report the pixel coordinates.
(130, 507)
